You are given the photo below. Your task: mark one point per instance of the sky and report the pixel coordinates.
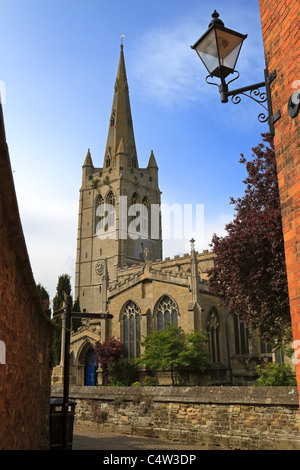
(58, 64)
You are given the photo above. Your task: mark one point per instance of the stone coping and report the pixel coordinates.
(244, 395)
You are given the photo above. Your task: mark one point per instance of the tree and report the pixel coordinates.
(173, 350)
(111, 350)
(249, 270)
(76, 322)
(63, 285)
(272, 375)
(123, 371)
(45, 298)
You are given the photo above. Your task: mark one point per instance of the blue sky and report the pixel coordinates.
(58, 63)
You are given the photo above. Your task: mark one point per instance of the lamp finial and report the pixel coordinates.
(215, 19)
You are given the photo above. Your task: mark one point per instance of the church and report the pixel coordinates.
(122, 280)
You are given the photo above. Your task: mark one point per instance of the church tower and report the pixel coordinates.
(119, 209)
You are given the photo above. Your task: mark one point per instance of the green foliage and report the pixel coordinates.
(94, 183)
(123, 371)
(108, 353)
(249, 269)
(150, 381)
(136, 384)
(195, 355)
(45, 298)
(63, 285)
(76, 322)
(174, 350)
(275, 375)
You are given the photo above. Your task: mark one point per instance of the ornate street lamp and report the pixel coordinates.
(219, 49)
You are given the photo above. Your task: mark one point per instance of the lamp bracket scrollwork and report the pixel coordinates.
(254, 92)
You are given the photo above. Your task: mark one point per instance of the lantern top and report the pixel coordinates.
(219, 48)
(215, 19)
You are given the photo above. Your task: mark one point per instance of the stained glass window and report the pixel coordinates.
(110, 199)
(213, 332)
(240, 336)
(163, 313)
(98, 218)
(132, 329)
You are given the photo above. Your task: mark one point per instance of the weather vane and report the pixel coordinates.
(123, 36)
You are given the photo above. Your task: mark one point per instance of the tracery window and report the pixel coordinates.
(110, 199)
(135, 199)
(213, 332)
(98, 202)
(107, 161)
(240, 336)
(166, 313)
(146, 223)
(132, 329)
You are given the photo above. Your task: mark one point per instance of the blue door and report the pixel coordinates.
(90, 368)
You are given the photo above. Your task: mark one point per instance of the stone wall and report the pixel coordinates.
(262, 418)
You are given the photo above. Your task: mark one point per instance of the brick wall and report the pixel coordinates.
(281, 36)
(24, 329)
(246, 418)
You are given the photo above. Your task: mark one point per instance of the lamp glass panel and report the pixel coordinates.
(208, 51)
(229, 48)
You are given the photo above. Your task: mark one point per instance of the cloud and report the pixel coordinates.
(49, 226)
(164, 67)
(167, 71)
(172, 246)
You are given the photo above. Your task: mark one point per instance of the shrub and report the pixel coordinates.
(151, 381)
(274, 375)
(123, 371)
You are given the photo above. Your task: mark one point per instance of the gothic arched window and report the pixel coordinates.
(107, 161)
(166, 313)
(146, 218)
(132, 329)
(99, 200)
(240, 336)
(110, 201)
(213, 332)
(135, 199)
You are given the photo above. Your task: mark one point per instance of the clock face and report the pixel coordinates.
(99, 268)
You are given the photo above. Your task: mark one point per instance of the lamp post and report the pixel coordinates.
(219, 49)
(68, 314)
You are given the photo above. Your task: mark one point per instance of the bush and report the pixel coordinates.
(173, 350)
(151, 381)
(124, 371)
(274, 375)
(136, 384)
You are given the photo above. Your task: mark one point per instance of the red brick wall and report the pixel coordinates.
(281, 36)
(24, 379)
(27, 333)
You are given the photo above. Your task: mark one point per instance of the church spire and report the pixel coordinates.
(120, 126)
